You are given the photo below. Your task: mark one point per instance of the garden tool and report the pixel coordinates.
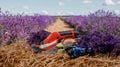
(55, 37)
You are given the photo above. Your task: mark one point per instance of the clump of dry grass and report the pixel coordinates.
(20, 55)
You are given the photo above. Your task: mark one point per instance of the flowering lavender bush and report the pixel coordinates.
(100, 42)
(22, 25)
(36, 37)
(103, 21)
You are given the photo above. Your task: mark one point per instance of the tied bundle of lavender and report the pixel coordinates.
(36, 37)
(100, 43)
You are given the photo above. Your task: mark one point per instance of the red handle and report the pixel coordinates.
(55, 37)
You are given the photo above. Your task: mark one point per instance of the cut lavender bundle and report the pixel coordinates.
(100, 43)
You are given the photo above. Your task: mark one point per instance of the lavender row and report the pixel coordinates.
(20, 26)
(100, 42)
(103, 21)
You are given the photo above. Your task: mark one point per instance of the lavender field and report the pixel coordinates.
(103, 21)
(17, 28)
(20, 26)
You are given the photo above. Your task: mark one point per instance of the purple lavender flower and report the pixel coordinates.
(100, 42)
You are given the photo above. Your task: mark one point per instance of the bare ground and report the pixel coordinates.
(58, 25)
(19, 55)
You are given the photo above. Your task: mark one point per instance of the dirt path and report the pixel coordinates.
(58, 25)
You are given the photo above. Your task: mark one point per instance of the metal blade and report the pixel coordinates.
(42, 46)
